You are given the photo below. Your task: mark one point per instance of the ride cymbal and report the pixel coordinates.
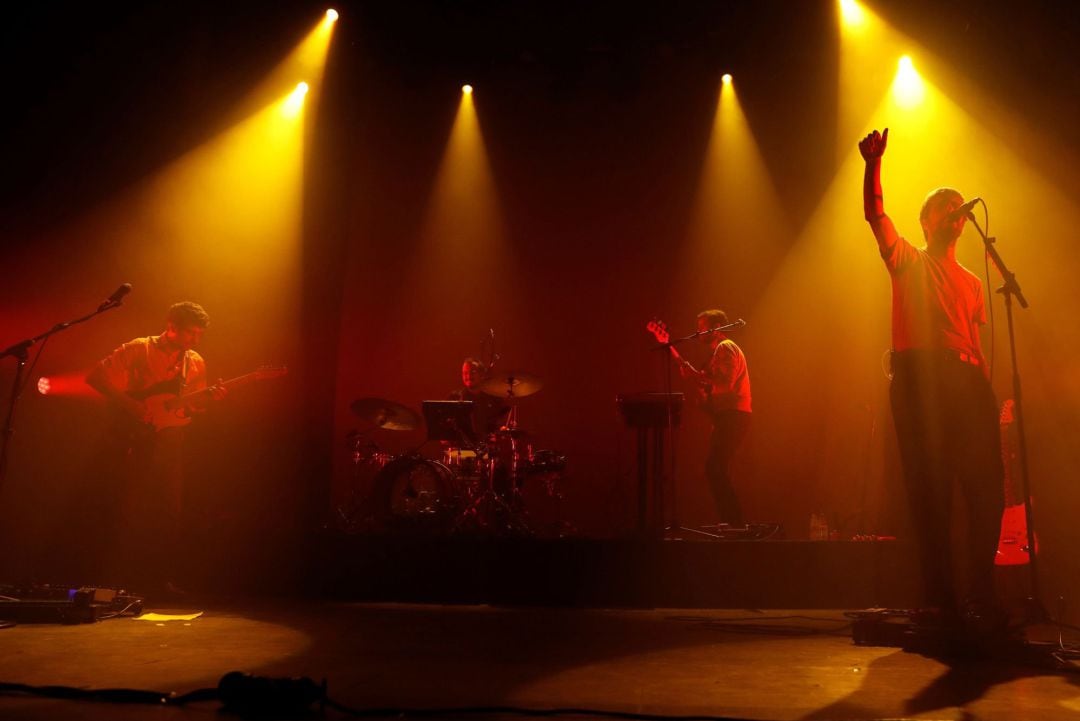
(512, 385)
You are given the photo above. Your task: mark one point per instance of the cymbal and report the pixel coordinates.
(386, 414)
(512, 385)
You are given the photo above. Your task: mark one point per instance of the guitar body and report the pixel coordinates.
(1013, 543)
(167, 410)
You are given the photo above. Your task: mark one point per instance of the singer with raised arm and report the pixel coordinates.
(143, 458)
(943, 406)
(724, 394)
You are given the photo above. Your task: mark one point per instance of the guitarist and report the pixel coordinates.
(724, 390)
(148, 463)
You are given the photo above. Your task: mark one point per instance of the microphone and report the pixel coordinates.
(116, 297)
(963, 211)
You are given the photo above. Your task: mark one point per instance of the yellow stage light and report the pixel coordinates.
(852, 13)
(295, 102)
(908, 85)
(332, 15)
(726, 78)
(467, 89)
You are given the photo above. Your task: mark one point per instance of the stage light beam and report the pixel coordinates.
(467, 89)
(726, 78)
(331, 15)
(852, 14)
(908, 87)
(295, 102)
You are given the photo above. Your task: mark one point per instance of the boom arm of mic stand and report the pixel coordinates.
(1010, 287)
(21, 353)
(740, 323)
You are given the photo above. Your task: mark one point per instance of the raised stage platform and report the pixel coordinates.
(615, 573)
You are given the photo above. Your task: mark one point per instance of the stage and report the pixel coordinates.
(613, 573)
(758, 664)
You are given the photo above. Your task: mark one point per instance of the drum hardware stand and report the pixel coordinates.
(21, 352)
(489, 510)
(1034, 608)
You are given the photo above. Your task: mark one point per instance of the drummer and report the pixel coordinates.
(489, 413)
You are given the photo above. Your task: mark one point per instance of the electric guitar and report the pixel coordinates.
(704, 386)
(169, 410)
(1013, 542)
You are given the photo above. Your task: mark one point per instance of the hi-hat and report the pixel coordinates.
(386, 414)
(512, 385)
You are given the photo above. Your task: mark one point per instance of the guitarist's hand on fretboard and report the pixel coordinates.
(659, 330)
(200, 400)
(686, 369)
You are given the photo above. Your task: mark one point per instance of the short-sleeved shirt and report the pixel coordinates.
(936, 302)
(144, 365)
(729, 378)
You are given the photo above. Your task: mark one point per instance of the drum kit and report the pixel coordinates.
(479, 483)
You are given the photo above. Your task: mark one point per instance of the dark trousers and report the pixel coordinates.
(137, 510)
(947, 428)
(729, 431)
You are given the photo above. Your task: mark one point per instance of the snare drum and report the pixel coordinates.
(464, 462)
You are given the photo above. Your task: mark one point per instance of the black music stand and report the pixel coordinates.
(652, 415)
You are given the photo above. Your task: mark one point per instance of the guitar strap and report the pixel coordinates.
(183, 373)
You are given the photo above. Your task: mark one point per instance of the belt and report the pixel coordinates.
(934, 353)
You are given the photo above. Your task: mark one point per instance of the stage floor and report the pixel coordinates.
(738, 663)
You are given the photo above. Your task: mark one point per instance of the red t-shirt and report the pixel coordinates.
(936, 302)
(729, 378)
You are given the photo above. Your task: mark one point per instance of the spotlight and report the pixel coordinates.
(726, 78)
(332, 15)
(44, 386)
(852, 13)
(467, 89)
(908, 85)
(295, 101)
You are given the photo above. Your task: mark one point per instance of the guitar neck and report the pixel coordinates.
(237, 381)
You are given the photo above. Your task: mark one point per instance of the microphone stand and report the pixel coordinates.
(674, 526)
(21, 352)
(1036, 611)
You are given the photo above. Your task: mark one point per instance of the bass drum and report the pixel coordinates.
(415, 494)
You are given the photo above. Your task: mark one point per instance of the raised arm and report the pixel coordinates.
(872, 147)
